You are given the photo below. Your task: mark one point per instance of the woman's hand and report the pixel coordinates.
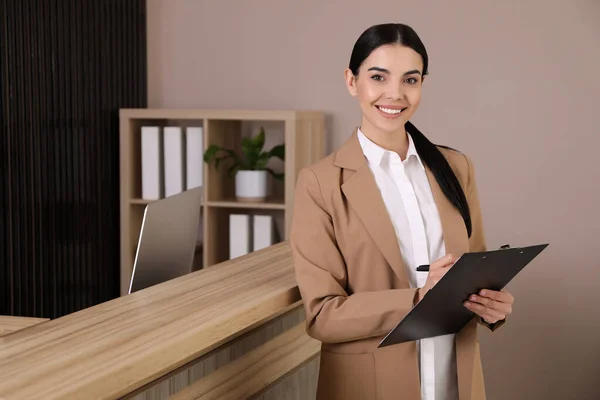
(491, 305)
(436, 271)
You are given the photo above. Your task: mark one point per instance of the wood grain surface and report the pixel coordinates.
(114, 348)
(202, 368)
(10, 324)
(257, 370)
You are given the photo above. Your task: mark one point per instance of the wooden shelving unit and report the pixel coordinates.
(303, 133)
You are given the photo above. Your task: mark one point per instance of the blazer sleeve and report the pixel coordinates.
(477, 239)
(332, 315)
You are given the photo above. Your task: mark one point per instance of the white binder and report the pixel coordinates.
(263, 232)
(194, 144)
(173, 160)
(240, 239)
(151, 149)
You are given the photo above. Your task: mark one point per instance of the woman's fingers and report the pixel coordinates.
(491, 312)
(434, 276)
(437, 270)
(501, 296)
(488, 302)
(439, 273)
(447, 260)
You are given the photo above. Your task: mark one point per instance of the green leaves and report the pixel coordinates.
(253, 156)
(212, 151)
(252, 150)
(261, 161)
(278, 151)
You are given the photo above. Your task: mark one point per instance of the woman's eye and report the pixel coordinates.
(411, 81)
(377, 77)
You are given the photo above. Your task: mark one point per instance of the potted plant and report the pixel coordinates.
(250, 167)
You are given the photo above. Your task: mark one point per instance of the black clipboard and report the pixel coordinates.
(441, 311)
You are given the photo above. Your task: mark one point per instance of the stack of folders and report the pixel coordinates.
(171, 161)
(249, 233)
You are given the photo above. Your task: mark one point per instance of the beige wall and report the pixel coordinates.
(513, 83)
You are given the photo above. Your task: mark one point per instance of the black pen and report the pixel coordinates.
(425, 267)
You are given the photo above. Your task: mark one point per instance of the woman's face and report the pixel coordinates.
(388, 87)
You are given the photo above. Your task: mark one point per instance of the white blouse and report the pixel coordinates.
(409, 201)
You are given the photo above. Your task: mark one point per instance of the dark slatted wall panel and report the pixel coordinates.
(66, 67)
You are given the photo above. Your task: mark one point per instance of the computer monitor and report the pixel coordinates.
(167, 240)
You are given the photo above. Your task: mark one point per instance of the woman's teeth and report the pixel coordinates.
(389, 110)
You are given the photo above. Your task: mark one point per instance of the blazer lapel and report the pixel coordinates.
(453, 225)
(365, 198)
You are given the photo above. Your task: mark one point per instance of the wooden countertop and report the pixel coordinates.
(111, 349)
(10, 324)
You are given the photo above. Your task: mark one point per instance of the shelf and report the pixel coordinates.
(241, 114)
(271, 204)
(302, 132)
(142, 202)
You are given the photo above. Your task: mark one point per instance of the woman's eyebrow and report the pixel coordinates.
(379, 69)
(386, 71)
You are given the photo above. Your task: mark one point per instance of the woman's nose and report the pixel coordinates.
(394, 92)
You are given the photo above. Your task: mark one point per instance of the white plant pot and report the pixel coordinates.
(251, 185)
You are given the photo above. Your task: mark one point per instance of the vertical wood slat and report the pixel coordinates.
(4, 272)
(66, 67)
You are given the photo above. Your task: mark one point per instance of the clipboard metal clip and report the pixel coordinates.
(505, 246)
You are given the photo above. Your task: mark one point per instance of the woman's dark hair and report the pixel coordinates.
(384, 34)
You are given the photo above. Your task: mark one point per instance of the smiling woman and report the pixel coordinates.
(395, 62)
(367, 216)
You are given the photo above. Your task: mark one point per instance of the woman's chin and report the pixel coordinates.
(388, 125)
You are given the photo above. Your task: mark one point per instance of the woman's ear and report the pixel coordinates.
(350, 82)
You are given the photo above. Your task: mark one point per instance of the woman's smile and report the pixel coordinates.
(390, 112)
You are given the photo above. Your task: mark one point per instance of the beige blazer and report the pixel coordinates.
(353, 281)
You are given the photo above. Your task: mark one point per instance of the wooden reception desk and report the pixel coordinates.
(232, 331)
(9, 324)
